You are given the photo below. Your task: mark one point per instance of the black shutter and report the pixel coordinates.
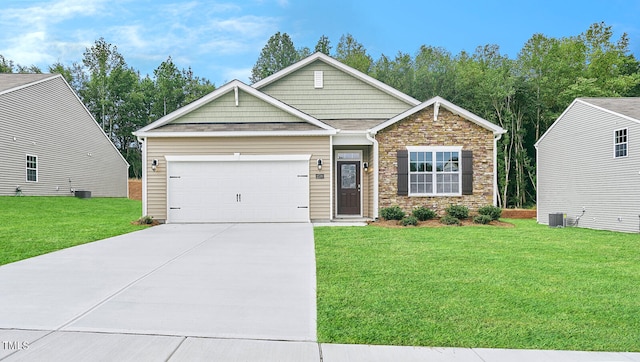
(403, 172)
(467, 172)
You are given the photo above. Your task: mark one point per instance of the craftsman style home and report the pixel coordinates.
(588, 165)
(51, 145)
(316, 141)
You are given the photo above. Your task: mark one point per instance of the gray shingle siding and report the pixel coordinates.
(48, 121)
(576, 169)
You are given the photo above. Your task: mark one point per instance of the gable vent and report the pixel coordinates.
(318, 79)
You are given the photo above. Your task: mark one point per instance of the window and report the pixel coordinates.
(620, 143)
(32, 168)
(434, 171)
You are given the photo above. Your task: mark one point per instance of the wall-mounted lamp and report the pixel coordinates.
(365, 165)
(154, 164)
(319, 164)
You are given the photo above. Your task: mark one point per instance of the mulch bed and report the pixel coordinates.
(435, 223)
(518, 213)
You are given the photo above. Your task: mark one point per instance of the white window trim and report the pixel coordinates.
(434, 149)
(615, 140)
(26, 176)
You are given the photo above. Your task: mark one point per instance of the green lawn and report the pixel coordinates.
(31, 226)
(525, 287)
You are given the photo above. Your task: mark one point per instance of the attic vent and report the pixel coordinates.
(318, 79)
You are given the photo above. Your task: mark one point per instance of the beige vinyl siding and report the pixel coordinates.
(342, 96)
(48, 121)
(249, 110)
(576, 169)
(316, 146)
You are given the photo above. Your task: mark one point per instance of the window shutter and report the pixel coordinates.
(403, 172)
(467, 172)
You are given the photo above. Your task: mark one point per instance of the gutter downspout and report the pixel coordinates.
(495, 168)
(371, 137)
(144, 175)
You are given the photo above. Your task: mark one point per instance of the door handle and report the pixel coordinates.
(358, 187)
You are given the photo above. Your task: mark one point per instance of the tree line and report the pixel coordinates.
(524, 95)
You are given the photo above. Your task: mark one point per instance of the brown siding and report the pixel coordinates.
(449, 130)
(317, 147)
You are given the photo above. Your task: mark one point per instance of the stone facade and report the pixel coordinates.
(420, 129)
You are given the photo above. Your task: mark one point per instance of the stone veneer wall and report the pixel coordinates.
(420, 129)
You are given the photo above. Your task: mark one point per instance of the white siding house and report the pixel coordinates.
(50, 144)
(588, 165)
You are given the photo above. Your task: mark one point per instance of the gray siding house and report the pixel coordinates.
(589, 165)
(50, 144)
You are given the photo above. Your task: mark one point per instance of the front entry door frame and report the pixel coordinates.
(360, 181)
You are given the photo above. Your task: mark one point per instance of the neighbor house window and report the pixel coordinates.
(32, 168)
(620, 143)
(434, 171)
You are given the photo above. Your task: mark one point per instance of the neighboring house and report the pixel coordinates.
(589, 163)
(50, 143)
(316, 141)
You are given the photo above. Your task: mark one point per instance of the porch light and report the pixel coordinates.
(319, 164)
(154, 164)
(365, 166)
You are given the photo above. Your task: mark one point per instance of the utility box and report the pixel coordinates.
(82, 194)
(557, 220)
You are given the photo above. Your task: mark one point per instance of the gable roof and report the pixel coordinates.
(229, 87)
(439, 101)
(10, 82)
(343, 67)
(624, 107)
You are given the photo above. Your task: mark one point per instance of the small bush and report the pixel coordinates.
(493, 211)
(482, 219)
(422, 213)
(449, 220)
(409, 220)
(392, 213)
(458, 211)
(145, 220)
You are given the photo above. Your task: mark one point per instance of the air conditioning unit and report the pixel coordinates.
(557, 220)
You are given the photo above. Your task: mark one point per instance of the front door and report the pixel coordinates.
(348, 187)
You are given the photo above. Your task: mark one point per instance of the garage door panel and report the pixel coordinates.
(244, 191)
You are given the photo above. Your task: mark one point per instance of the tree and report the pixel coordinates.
(6, 66)
(277, 54)
(323, 45)
(353, 54)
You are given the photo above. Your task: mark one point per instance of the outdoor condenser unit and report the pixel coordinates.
(557, 220)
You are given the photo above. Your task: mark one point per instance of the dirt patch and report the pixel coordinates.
(435, 223)
(518, 213)
(135, 189)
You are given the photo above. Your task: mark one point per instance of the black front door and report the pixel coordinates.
(348, 187)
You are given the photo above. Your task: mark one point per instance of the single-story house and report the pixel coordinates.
(588, 166)
(317, 140)
(51, 145)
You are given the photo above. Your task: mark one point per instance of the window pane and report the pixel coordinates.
(413, 156)
(413, 167)
(348, 176)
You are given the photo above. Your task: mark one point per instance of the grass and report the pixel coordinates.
(33, 226)
(525, 287)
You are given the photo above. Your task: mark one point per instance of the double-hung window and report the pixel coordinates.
(32, 168)
(620, 143)
(434, 171)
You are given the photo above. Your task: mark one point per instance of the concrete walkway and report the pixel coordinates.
(243, 292)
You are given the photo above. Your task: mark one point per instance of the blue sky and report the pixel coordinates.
(221, 40)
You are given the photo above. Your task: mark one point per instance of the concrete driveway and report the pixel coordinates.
(242, 281)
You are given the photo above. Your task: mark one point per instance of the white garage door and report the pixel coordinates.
(241, 188)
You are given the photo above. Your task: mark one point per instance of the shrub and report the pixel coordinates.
(392, 213)
(145, 220)
(422, 213)
(492, 211)
(450, 220)
(458, 211)
(409, 220)
(482, 219)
